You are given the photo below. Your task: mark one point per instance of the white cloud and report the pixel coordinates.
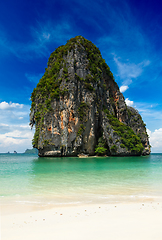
(3, 125)
(42, 35)
(150, 111)
(123, 88)
(34, 78)
(48, 32)
(10, 113)
(129, 102)
(4, 105)
(17, 138)
(46, 35)
(156, 140)
(14, 136)
(128, 71)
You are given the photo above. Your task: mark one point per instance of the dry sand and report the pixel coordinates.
(133, 221)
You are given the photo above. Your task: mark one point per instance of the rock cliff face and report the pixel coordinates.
(77, 107)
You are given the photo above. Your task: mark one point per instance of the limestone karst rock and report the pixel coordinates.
(77, 107)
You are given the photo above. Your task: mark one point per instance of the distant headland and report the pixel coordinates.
(31, 151)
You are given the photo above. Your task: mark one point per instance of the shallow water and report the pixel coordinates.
(28, 179)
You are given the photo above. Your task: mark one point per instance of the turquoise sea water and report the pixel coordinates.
(28, 179)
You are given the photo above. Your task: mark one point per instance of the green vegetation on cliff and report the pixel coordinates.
(67, 106)
(50, 88)
(101, 148)
(129, 139)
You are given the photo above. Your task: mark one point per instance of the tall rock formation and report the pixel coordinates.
(77, 107)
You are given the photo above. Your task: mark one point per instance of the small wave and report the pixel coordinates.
(27, 202)
(65, 203)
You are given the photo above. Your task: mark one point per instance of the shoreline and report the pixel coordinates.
(118, 221)
(21, 205)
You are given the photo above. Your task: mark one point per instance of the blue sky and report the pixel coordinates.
(128, 34)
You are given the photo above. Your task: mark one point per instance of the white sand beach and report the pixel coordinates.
(122, 221)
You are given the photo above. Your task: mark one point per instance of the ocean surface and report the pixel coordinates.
(28, 179)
